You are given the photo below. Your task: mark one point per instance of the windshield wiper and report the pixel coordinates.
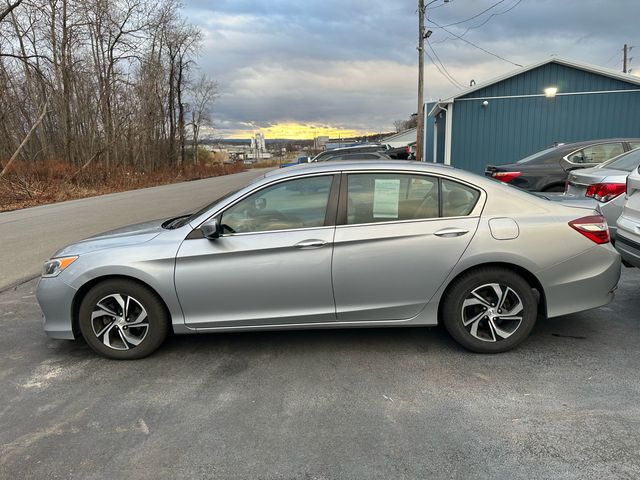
(176, 222)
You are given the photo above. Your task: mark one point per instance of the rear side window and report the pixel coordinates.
(626, 162)
(597, 153)
(361, 156)
(634, 145)
(386, 197)
(457, 200)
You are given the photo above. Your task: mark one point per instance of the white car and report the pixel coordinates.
(628, 243)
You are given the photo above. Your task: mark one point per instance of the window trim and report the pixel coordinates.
(329, 219)
(341, 221)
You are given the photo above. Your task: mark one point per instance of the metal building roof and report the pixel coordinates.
(607, 72)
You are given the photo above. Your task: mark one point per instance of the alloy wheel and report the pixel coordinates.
(119, 321)
(492, 312)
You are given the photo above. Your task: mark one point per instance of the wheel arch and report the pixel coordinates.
(84, 289)
(523, 272)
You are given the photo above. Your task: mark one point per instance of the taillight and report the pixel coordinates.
(603, 192)
(594, 227)
(506, 176)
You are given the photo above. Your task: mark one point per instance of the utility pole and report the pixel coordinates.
(420, 125)
(624, 58)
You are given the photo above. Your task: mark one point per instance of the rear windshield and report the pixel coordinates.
(536, 155)
(625, 162)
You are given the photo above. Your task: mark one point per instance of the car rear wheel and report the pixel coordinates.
(490, 310)
(122, 319)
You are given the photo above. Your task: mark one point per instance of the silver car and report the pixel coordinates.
(629, 222)
(325, 245)
(604, 185)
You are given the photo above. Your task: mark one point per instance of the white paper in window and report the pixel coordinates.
(386, 197)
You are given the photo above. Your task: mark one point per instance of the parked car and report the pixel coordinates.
(628, 243)
(329, 154)
(298, 161)
(547, 170)
(374, 244)
(399, 153)
(605, 185)
(356, 156)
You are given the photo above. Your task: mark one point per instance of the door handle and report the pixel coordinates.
(310, 244)
(451, 232)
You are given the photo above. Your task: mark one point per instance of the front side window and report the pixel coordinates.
(384, 197)
(300, 203)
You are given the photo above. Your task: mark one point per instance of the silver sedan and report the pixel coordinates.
(603, 186)
(328, 245)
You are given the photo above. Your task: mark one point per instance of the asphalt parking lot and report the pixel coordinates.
(384, 403)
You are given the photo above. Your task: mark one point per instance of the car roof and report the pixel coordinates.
(383, 164)
(596, 141)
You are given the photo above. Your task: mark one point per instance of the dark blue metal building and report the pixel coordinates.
(554, 101)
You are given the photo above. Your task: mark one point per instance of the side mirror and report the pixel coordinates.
(211, 229)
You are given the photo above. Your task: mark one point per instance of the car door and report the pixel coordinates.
(399, 236)
(272, 262)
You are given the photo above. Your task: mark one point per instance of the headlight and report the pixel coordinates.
(53, 267)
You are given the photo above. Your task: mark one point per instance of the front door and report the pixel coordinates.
(401, 235)
(271, 265)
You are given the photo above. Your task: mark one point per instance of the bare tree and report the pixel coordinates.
(203, 94)
(8, 8)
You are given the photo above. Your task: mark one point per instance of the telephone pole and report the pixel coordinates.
(420, 125)
(625, 51)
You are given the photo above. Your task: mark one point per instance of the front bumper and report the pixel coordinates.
(56, 301)
(583, 282)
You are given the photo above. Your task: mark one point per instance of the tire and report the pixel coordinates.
(472, 300)
(106, 329)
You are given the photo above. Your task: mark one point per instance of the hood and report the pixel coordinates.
(129, 235)
(589, 176)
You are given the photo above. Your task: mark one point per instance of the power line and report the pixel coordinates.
(482, 23)
(476, 46)
(475, 16)
(452, 82)
(455, 82)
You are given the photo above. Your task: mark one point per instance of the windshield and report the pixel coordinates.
(625, 162)
(183, 220)
(536, 155)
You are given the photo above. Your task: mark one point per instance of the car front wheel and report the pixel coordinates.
(122, 319)
(490, 310)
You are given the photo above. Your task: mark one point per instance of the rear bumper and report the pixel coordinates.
(583, 282)
(56, 299)
(629, 250)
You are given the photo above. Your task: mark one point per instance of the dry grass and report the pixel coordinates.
(28, 185)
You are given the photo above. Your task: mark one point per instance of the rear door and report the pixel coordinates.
(399, 236)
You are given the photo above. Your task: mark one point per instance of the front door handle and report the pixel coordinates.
(310, 244)
(451, 232)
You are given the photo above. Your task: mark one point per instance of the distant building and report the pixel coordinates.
(515, 115)
(320, 142)
(401, 139)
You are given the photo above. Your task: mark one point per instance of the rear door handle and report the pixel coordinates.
(310, 244)
(451, 232)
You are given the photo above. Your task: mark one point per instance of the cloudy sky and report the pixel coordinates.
(296, 68)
